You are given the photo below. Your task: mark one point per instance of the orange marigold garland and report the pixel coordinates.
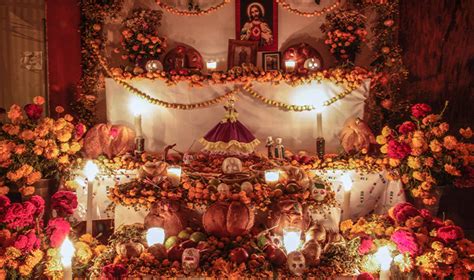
(318, 13)
(199, 12)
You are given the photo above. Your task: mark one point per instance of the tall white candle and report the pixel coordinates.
(67, 253)
(346, 206)
(211, 65)
(138, 125)
(90, 171)
(319, 124)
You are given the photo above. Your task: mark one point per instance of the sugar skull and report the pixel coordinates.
(223, 188)
(190, 260)
(247, 187)
(296, 263)
(318, 194)
(231, 165)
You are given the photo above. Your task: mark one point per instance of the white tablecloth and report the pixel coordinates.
(163, 126)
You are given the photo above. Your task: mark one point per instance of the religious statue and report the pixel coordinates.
(256, 29)
(269, 146)
(279, 149)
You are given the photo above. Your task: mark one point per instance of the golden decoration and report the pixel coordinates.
(318, 13)
(175, 11)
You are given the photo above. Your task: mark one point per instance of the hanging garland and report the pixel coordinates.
(315, 13)
(291, 107)
(175, 11)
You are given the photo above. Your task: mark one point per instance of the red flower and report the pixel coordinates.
(38, 201)
(33, 111)
(365, 245)
(406, 242)
(450, 234)
(420, 110)
(4, 203)
(113, 271)
(398, 150)
(64, 202)
(365, 276)
(27, 242)
(406, 127)
(79, 130)
(20, 215)
(57, 230)
(403, 211)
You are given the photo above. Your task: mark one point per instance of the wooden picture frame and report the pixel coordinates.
(257, 20)
(241, 52)
(271, 61)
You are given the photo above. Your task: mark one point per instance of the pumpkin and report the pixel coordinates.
(228, 219)
(171, 216)
(287, 213)
(110, 140)
(356, 135)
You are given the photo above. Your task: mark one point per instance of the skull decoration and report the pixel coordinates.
(247, 187)
(231, 165)
(318, 194)
(296, 263)
(129, 249)
(190, 260)
(223, 188)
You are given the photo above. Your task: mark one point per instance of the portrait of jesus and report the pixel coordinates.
(257, 21)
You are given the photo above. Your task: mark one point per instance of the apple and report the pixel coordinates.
(275, 255)
(197, 236)
(188, 244)
(238, 255)
(171, 241)
(184, 234)
(175, 253)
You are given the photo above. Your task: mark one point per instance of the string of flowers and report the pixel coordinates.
(199, 12)
(314, 13)
(292, 107)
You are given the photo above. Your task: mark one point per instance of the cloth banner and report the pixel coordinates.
(163, 126)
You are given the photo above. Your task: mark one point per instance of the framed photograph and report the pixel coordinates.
(257, 20)
(271, 61)
(241, 52)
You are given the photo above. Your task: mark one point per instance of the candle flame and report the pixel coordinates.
(155, 235)
(67, 252)
(384, 257)
(91, 170)
(291, 239)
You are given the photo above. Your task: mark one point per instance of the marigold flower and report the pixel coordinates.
(384, 149)
(466, 132)
(394, 162)
(15, 114)
(429, 162)
(381, 139)
(68, 118)
(20, 149)
(444, 127)
(59, 109)
(38, 100)
(64, 136)
(64, 159)
(346, 225)
(418, 176)
(452, 170)
(430, 119)
(33, 178)
(11, 129)
(418, 140)
(27, 135)
(4, 190)
(414, 162)
(386, 131)
(435, 146)
(450, 142)
(27, 191)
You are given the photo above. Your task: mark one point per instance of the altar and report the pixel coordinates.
(163, 126)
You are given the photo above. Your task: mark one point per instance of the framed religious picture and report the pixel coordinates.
(271, 61)
(241, 52)
(257, 20)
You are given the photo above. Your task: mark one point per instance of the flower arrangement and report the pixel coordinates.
(33, 147)
(24, 239)
(418, 243)
(345, 31)
(425, 154)
(140, 36)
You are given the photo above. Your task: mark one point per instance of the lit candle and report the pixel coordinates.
(291, 239)
(211, 65)
(67, 252)
(290, 65)
(174, 175)
(155, 235)
(272, 176)
(346, 206)
(90, 171)
(138, 125)
(384, 258)
(319, 124)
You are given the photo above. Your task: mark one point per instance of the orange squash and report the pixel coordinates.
(224, 219)
(110, 140)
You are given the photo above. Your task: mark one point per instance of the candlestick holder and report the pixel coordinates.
(139, 146)
(320, 147)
